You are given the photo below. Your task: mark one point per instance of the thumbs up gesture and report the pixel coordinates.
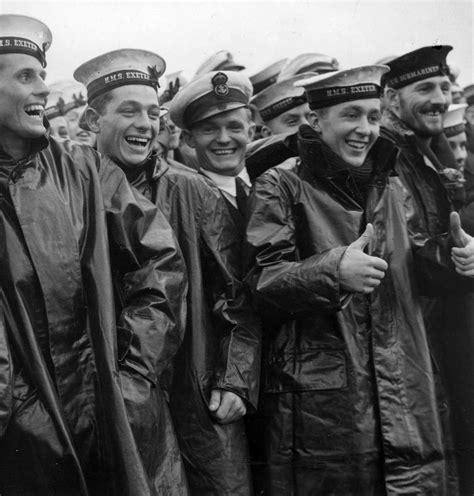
(462, 254)
(359, 272)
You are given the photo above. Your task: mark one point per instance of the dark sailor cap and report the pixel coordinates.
(419, 64)
(332, 88)
(211, 94)
(22, 34)
(280, 97)
(120, 68)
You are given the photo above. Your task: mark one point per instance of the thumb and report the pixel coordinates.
(457, 232)
(365, 238)
(215, 400)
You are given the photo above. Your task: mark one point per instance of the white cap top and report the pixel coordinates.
(119, 68)
(453, 122)
(22, 34)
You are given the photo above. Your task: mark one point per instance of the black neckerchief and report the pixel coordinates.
(146, 169)
(324, 163)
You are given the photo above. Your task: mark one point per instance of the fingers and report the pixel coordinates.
(231, 408)
(215, 400)
(364, 239)
(379, 264)
(464, 265)
(459, 236)
(466, 252)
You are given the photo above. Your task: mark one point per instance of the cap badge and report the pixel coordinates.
(154, 75)
(79, 100)
(219, 81)
(61, 105)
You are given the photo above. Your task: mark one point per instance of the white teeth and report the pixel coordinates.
(223, 152)
(135, 140)
(433, 114)
(34, 110)
(356, 144)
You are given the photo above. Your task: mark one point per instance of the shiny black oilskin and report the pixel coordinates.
(66, 430)
(221, 348)
(349, 399)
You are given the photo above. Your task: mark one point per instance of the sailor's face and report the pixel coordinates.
(422, 105)
(130, 124)
(458, 144)
(221, 141)
(23, 95)
(73, 118)
(289, 121)
(59, 127)
(350, 129)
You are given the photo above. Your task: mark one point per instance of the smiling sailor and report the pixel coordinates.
(218, 364)
(64, 426)
(126, 131)
(328, 247)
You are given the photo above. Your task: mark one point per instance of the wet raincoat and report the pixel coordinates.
(65, 218)
(221, 348)
(349, 394)
(449, 313)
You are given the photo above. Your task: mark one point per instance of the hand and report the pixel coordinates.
(462, 254)
(226, 406)
(359, 272)
(453, 178)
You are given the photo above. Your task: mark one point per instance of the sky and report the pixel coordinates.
(184, 33)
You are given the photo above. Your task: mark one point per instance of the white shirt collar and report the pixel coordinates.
(227, 183)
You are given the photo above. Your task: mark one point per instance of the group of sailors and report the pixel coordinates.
(230, 285)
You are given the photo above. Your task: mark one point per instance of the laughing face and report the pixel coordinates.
(421, 105)
(23, 95)
(221, 141)
(350, 129)
(73, 117)
(129, 124)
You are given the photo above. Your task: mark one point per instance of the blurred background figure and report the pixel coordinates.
(267, 76)
(54, 113)
(220, 61)
(283, 107)
(456, 90)
(308, 62)
(455, 131)
(71, 105)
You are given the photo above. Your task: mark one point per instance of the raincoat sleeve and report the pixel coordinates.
(238, 328)
(435, 271)
(279, 279)
(5, 374)
(149, 273)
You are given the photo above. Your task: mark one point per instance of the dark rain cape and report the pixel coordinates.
(449, 310)
(349, 393)
(221, 348)
(66, 216)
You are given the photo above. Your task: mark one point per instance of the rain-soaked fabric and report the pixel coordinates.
(448, 308)
(64, 423)
(221, 348)
(349, 392)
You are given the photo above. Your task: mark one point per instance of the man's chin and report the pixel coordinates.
(429, 131)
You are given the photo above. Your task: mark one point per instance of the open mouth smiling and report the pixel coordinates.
(357, 145)
(35, 110)
(224, 151)
(137, 141)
